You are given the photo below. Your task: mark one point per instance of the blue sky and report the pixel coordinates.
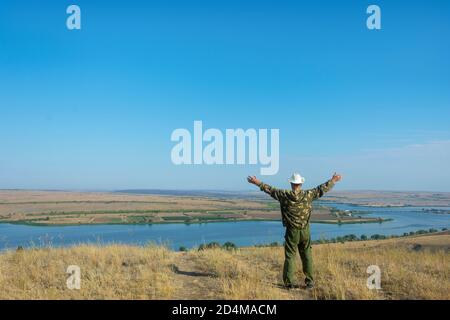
(94, 108)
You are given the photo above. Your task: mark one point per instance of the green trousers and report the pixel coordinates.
(297, 239)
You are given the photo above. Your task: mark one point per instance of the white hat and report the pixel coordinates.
(296, 179)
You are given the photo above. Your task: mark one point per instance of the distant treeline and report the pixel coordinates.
(341, 239)
(363, 237)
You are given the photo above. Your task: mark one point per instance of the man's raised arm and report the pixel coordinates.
(319, 191)
(275, 193)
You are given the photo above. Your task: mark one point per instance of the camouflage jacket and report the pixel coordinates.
(296, 206)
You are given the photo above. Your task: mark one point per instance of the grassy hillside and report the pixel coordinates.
(412, 268)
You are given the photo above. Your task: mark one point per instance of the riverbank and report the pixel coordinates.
(203, 221)
(411, 268)
(389, 199)
(353, 221)
(58, 208)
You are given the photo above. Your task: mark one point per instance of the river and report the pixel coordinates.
(243, 233)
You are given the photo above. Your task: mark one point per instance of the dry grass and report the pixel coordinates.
(238, 277)
(125, 272)
(406, 273)
(113, 272)
(255, 273)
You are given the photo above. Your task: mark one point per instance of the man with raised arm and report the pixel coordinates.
(296, 206)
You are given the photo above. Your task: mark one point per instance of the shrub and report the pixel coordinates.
(378, 237)
(229, 246)
(211, 245)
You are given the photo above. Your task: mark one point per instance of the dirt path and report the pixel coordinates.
(192, 282)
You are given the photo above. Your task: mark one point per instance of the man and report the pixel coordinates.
(296, 206)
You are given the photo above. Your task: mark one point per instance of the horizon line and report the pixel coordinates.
(198, 190)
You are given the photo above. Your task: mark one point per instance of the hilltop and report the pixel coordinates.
(412, 268)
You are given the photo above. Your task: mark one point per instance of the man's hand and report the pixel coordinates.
(336, 177)
(253, 180)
